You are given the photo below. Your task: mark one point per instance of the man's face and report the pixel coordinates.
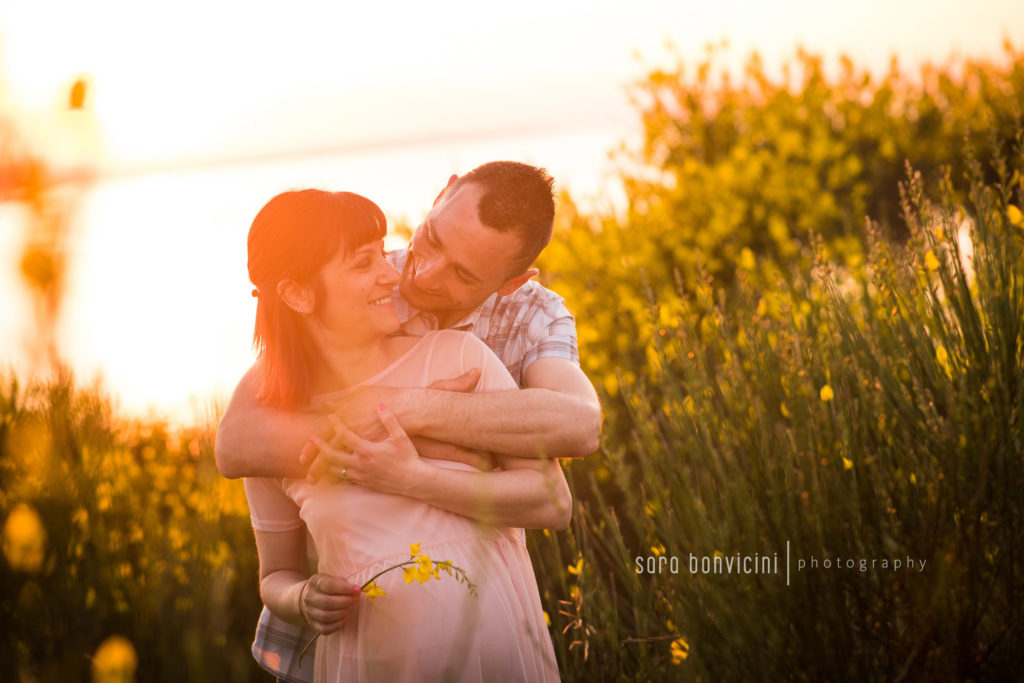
(454, 261)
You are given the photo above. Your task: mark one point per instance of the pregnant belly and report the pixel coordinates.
(354, 527)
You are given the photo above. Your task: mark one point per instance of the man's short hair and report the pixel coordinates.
(516, 198)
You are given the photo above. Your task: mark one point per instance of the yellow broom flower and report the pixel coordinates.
(680, 650)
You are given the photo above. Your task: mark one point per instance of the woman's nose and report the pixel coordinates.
(389, 275)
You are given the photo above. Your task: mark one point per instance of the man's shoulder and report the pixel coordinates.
(531, 290)
(532, 298)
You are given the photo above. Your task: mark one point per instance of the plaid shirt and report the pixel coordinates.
(530, 323)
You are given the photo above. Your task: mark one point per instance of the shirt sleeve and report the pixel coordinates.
(556, 338)
(550, 328)
(270, 508)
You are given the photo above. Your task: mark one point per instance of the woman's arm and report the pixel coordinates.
(527, 493)
(321, 601)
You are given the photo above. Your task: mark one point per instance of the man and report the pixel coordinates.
(468, 267)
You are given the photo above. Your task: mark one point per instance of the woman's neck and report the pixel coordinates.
(349, 362)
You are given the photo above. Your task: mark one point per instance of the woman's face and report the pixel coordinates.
(357, 291)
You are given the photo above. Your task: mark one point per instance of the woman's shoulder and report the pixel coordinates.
(465, 344)
(454, 337)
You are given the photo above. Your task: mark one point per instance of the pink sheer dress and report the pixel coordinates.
(436, 630)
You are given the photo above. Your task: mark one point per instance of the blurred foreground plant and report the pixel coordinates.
(119, 527)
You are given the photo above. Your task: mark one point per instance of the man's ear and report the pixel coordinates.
(440, 194)
(300, 299)
(517, 282)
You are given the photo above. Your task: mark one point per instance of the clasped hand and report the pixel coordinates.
(361, 445)
(389, 466)
(326, 602)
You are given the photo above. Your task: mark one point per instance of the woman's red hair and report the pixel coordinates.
(292, 237)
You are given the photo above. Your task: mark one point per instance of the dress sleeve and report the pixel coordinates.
(494, 376)
(270, 508)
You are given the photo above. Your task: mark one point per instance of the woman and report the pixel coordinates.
(325, 323)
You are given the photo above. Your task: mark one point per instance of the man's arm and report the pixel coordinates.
(526, 493)
(257, 440)
(557, 414)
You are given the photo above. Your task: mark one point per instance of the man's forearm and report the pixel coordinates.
(261, 446)
(256, 440)
(527, 423)
(525, 498)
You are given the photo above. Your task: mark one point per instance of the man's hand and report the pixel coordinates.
(357, 410)
(463, 383)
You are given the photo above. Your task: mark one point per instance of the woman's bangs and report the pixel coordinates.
(364, 222)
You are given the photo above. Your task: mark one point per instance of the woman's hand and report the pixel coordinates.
(326, 602)
(356, 410)
(389, 466)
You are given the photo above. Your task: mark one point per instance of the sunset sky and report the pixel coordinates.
(213, 79)
(199, 111)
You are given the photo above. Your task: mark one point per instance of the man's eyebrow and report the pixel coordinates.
(432, 234)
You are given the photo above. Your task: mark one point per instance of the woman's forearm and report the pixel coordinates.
(281, 592)
(528, 492)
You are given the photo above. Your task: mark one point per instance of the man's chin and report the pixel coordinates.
(417, 298)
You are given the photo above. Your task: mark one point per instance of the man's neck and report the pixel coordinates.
(448, 319)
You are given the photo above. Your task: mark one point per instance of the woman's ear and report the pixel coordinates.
(299, 298)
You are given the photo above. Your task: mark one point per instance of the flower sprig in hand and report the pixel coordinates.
(419, 567)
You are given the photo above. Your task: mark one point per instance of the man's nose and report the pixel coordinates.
(428, 273)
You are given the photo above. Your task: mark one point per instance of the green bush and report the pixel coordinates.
(863, 413)
(740, 177)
